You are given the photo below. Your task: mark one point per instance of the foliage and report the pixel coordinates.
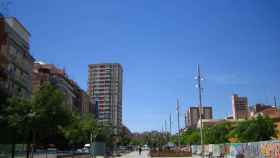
(19, 116)
(258, 129)
(217, 134)
(81, 128)
(106, 135)
(45, 116)
(191, 136)
(153, 139)
(137, 142)
(38, 118)
(124, 140)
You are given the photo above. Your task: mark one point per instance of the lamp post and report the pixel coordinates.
(31, 116)
(178, 117)
(92, 138)
(199, 79)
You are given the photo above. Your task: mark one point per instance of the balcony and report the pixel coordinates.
(3, 67)
(3, 74)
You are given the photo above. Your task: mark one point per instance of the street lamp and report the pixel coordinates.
(199, 79)
(93, 136)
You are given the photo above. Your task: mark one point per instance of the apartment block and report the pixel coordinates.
(15, 59)
(192, 115)
(75, 99)
(105, 89)
(240, 107)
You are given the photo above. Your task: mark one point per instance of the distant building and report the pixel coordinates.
(15, 59)
(49, 74)
(229, 118)
(75, 98)
(105, 89)
(240, 107)
(86, 103)
(125, 131)
(260, 107)
(214, 122)
(192, 115)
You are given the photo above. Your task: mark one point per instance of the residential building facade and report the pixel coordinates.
(105, 88)
(75, 99)
(192, 115)
(240, 107)
(15, 59)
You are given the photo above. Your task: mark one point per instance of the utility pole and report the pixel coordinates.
(178, 115)
(275, 104)
(165, 130)
(170, 134)
(199, 79)
(165, 126)
(170, 126)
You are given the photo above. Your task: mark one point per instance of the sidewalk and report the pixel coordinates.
(145, 154)
(135, 154)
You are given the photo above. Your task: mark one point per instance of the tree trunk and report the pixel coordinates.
(28, 145)
(13, 150)
(28, 150)
(13, 144)
(33, 143)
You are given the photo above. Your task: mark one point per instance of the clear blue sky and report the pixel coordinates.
(159, 43)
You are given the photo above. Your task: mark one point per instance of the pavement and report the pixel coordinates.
(144, 154)
(135, 154)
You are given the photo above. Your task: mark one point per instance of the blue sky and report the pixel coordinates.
(159, 43)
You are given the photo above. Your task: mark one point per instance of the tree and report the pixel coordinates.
(217, 134)
(107, 135)
(259, 129)
(81, 129)
(50, 114)
(191, 136)
(38, 118)
(19, 116)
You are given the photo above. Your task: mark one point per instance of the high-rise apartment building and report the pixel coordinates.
(15, 59)
(192, 115)
(105, 88)
(240, 107)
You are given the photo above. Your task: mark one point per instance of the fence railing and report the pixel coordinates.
(20, 152)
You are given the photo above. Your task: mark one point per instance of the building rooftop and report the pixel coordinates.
(14, 19)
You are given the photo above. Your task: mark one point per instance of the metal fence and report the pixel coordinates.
(99, 149)
(20, 152)
(264, 149)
